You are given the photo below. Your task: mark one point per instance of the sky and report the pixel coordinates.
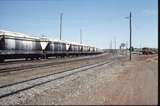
(101, 21)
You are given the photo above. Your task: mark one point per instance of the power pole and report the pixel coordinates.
(130, 21)
(115, 45)
(111, 47)
(61, 15)
(130, 27)
(80, 36)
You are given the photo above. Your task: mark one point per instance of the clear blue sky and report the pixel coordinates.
(100, 20)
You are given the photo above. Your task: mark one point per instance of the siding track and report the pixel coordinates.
(14, 88)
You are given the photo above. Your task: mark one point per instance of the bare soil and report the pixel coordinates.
(136, 84)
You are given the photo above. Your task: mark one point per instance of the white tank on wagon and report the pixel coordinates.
(18, 41)
(18, 45)
(56, 47)
(73, 47)
(98, 50)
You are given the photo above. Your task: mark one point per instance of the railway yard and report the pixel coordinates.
(78, 52)
(96, 79)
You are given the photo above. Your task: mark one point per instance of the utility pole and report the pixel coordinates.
(111, 47)
(115, 45)
(61, 15)
(80, 36)
(130, 27)
(130, 20)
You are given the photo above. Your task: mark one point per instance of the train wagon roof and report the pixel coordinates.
(72, 43)
(57, 40)
(44, 39)
(16, 34)
(67, 42)
(64, 41)
(75, 43)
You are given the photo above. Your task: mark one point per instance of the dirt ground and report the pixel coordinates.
(121, 83)
(137, 84)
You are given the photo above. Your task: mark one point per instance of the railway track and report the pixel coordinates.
(24, 67)
(20, 61)
(14, 88)
(20, 75)
(45, 71)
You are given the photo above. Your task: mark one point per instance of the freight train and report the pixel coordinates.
(15, 45)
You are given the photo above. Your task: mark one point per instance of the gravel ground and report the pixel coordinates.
(121, 82)
(16, 76)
